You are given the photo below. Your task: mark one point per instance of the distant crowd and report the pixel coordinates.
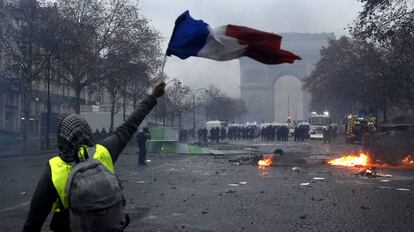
(182, 134)
(268, 133)
(329, 134)
(238, 132)
(301, 133)
(216, 134)
(98, 136)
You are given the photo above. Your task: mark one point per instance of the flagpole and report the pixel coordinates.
(163, 99)
(163, 65)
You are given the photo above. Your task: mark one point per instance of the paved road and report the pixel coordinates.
(192, 193)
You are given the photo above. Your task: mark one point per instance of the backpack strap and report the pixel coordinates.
(91, 151)
(84, 154)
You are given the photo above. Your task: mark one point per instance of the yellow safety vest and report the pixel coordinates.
(60, 171)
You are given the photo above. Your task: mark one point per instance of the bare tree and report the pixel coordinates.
(179, 101)
(114, 87)
(93, 30)
(123, 78)
(222, 107)
(388, 27)
(381, 20)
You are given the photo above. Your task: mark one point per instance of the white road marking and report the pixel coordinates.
(15, 207)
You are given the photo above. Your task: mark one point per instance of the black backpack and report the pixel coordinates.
(95, 198)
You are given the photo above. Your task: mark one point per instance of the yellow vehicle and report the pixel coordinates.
(357, 128)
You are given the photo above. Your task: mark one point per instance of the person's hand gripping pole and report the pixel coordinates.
(158, 89)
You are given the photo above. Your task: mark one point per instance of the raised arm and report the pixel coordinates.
(117, 141)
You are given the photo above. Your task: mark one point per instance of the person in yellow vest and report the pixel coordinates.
(74, 139)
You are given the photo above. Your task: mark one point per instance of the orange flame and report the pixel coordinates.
(408, 160)
(351, 160)
(266, 161)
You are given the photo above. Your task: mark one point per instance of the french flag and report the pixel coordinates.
(196, 38)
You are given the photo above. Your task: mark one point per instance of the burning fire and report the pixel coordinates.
(408, 160)
(361, 159)
(266, 161)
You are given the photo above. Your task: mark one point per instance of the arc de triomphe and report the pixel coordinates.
(257, 81)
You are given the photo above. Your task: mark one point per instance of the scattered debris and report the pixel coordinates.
(324, 171)
(317, 199)
(230, 191)
(296, 169)
(252, 159)
(372, 173)
(278, 151)
(256, 158)
(233, 185)
(151, 217)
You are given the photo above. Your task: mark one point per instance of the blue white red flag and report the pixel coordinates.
(196, 38)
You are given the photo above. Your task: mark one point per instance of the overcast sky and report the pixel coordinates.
(278, 16)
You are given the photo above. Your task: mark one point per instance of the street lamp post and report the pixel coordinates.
(49, 106)
(194, 96)
(288, 106)
(163, 105)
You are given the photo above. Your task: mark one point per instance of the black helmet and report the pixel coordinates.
(73, 132)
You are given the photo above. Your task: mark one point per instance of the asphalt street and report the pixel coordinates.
(209, 193)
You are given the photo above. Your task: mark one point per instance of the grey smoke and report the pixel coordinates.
(269, 15)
